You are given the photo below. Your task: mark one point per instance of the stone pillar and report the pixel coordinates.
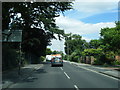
(87, 59)
(92, 59)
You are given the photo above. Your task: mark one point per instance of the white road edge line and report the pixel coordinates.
(61, 68)
(66, 75)
(99, 73)
(76, 87)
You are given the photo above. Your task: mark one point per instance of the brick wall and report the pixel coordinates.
(117, 58)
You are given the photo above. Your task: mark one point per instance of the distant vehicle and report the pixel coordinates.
(57, 60)
(48, 58)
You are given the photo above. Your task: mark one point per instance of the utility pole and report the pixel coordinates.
(19, 63)
(20, 56)
(68, 51)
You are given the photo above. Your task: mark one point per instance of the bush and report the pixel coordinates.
(105, 59)
(75, 58)
(102, 58)
(42, 58)
(116, 62)
(65, 57)
(97, 62)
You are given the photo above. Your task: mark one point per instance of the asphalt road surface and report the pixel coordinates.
(68, 76)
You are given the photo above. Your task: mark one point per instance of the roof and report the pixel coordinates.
(56, 55)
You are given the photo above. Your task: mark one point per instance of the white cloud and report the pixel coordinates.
(87, 39)
(57, 45)
(78, 27)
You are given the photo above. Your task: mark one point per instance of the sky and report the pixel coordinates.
(86, 19)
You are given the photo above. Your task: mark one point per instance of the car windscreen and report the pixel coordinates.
(57, 59)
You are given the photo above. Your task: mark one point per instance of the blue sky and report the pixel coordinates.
(109, 15)
(86, 19)
(104, 17)
(101, 17)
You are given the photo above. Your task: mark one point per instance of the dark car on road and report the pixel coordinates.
(57, 61)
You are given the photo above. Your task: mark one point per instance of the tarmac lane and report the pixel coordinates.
(87, 79)
(67, 77)
(45, 77)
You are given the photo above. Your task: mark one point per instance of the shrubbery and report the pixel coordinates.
(42, 58)
(74, 57)
(116, 62)
(97, 62)
(65, 57)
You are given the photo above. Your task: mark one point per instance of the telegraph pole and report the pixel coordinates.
(19, 63)
(20, 56)
(68, 51)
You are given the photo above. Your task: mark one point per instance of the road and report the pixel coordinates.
(68, 76)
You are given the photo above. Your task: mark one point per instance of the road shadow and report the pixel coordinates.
(30, 79)
(33, 77)
(47, 62)
(15, 75)
(118, 69)
(56, 66)
(40, 71)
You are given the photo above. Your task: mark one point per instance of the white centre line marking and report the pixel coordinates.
(76, 87)
(66, 75)
(61, 68)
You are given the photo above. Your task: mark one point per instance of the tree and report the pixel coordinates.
(37, 20)
(35, 42)
(95, 43)
(48, 51)
(74, 45)
(92, 52)
(74, 42)
(111, 38)
(57, 52)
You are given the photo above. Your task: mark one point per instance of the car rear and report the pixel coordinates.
(56, 61)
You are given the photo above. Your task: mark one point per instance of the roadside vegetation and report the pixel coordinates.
(103, 51)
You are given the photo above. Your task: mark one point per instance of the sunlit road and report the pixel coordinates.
(68, 76)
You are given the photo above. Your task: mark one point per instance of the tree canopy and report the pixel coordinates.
(37, 20)
(111, 38)
(95, 43)
(74, 42)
